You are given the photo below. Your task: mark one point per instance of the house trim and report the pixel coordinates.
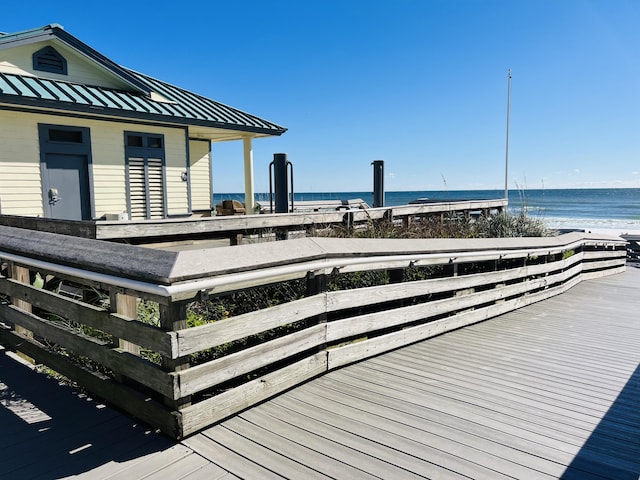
(57, 113)
(128, 114)
(188, 170)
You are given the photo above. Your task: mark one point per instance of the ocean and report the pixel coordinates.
(597, 208)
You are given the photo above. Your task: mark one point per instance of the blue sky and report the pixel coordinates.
(419, 84)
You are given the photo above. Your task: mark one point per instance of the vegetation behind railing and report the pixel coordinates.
(182, 340)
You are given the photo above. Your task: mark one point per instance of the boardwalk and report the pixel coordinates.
(548, 391)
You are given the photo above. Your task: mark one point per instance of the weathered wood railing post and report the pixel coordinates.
(396, 275)
(127, 306)
(22, 275)
(282, 234)
(317, 284)
(236, 239)
(173, 316)
(348, 221)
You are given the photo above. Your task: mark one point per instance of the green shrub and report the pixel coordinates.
(509, 225)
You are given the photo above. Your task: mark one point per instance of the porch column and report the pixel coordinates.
(249, 194)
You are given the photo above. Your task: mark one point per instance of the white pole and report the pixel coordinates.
(249, 193)
(506, 161)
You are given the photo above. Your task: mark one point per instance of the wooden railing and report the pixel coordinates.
(229, 227)
(70, 304)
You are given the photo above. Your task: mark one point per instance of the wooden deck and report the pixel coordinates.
(548, 391)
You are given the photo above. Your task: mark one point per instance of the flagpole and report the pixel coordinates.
(506, 161)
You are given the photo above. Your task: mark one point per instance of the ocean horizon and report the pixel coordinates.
(574, 208)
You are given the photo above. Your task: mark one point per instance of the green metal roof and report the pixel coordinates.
(184, 107)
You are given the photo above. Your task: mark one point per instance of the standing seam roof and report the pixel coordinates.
(185, 107)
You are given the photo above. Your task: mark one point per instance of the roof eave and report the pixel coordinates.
(129, 114)
(17, 41)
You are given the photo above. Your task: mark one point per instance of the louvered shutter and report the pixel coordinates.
(156, 189)
(137, 188)
(146, 187)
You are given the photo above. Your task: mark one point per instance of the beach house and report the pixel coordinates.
(84, 138)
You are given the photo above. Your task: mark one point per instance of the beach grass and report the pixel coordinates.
(450, 225)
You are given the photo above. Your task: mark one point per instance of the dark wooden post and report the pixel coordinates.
(282, 234)
(396, 275)
(317, 284)
(347, 221)
(236, 239)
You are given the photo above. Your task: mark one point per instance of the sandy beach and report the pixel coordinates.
(615, 232)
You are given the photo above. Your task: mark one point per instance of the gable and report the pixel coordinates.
(19, 61)
(73, 77)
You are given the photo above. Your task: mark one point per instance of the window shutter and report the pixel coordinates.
(137, 188)
(146, 184)
(156, 191)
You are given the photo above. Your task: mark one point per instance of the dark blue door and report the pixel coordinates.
(65, 159)
(68, 183)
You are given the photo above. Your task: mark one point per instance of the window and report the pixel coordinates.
(154, 142)
(134, 141)
(48, 59)
(144, 140)
(66, 135)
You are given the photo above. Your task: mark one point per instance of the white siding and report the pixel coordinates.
(20, 187)
(176, 163)
(200, 175)
(20, 183)
(107, 152)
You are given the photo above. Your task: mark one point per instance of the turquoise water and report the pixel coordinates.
(617, 208)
